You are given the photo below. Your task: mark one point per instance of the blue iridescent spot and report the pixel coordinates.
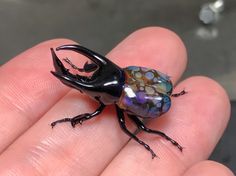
(154, 112)
(166, 104)
(158, 105)
(155, 80)
(149, 75)
(166, 99)
(166, 107)
(133, 68)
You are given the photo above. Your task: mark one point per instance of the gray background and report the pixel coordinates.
(100, 25)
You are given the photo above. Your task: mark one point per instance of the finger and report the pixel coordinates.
(207, 168)
(196, 120)
(27, 90)
(87, 149)
(164, 52)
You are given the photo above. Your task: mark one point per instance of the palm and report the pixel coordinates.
(30, 99)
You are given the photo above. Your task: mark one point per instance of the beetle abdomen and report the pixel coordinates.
(146, 92)
(144, 103)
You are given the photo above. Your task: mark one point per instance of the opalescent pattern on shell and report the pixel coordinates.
(146, 76)
(146, 92)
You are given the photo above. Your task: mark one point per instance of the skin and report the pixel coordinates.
(31, 98)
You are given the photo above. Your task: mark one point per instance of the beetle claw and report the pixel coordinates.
(73, 123)
(153, 155)
(179, 94)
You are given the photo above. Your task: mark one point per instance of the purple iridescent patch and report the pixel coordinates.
(141, 97)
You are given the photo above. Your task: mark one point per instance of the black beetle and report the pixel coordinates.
(140, 92)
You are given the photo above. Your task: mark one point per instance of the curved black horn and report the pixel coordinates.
(66, 77)
(74, 82)
(59, 67)
(95, 57)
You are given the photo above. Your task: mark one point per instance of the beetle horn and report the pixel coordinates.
(74, 81)
(95, 57)
(59, 67)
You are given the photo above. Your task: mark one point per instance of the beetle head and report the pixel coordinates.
(105, 83)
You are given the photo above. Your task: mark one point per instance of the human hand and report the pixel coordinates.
(31, 98)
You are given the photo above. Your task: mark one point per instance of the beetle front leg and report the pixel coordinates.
(123, 126)
(80, 118)
(141, 126)
(86, 68)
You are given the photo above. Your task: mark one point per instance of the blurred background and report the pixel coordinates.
(208, 29)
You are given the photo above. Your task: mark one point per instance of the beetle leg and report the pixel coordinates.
(80, 118)
(87, 67)
(141, 126)
(179, 94)
(121, 119)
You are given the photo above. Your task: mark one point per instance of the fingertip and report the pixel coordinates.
(153, 47)
(203, 112)
(211, 91)
(161, 33)
(206, 168)
(166, 40)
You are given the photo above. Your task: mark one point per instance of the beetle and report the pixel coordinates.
(138, 92)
